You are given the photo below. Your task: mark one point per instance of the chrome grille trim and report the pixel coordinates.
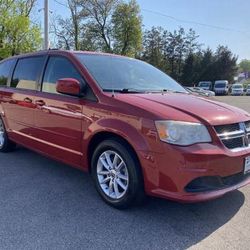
(235, 150)
(235, 140)
(231, 135)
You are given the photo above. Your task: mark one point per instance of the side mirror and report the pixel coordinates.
(69, 86)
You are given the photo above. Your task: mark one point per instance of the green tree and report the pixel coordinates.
(225, 65)
(69, 30)
(178, 46)
(169, 50)
(99, 21)
(245, 65)
(127, 28)
(17, 33)
(191, 43)
(103, 25)
(206, 66)
(153, 47)
(188, 70)
(191, 69)
(181, 50)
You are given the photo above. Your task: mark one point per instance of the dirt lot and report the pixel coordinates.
(48, 205)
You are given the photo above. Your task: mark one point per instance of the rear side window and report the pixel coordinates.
(27, 72)
(5, 68)
(58, 68)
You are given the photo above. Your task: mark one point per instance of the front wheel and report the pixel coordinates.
(117, 174)
(5, 144)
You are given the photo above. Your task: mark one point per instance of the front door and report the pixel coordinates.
(58, 118)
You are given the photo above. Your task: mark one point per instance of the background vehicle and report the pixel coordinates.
(248, 89)
(237, 89)
(200, 91)
(221, 87)
(206, 85)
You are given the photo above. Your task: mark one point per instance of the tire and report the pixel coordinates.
(5, 144)
(117, 174)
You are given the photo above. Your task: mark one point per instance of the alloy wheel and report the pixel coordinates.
(112, 174)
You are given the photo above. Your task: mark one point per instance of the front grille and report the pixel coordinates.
(234, 136)
(227, 128)
(233, 143)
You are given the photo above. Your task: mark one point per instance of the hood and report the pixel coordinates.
(203, 109)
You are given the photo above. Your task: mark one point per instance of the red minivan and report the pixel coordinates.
(130, 125)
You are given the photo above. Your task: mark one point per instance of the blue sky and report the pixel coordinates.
(233, 15)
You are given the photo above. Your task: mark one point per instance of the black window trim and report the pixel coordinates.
(40, 83)
(38, 77)
(11, 72)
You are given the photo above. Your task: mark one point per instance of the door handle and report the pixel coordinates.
(27, 99)
(40, 103)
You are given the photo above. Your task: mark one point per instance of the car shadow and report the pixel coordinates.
(46, 204)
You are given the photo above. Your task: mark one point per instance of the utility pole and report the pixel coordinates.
(46, 24)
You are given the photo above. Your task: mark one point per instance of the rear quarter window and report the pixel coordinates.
(5, 70)
(27, 72)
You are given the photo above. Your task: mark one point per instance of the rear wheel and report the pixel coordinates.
(5, 144)
(117, 174)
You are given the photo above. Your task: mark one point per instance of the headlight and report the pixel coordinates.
(182, 133)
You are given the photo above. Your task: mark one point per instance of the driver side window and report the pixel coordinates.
(58, 67)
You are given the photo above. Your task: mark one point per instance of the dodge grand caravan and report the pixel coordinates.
(135, 129)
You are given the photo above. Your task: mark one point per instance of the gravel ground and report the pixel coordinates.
(48, 205)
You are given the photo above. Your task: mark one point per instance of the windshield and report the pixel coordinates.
(204, 84)
(237, 86)
(220, 85)
(122, 73)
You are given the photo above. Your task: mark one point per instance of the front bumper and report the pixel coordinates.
(199, 197)
(213, 183)
(173, 173)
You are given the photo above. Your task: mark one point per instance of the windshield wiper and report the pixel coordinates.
(125, 90)
(174, 91)
(131, 90)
